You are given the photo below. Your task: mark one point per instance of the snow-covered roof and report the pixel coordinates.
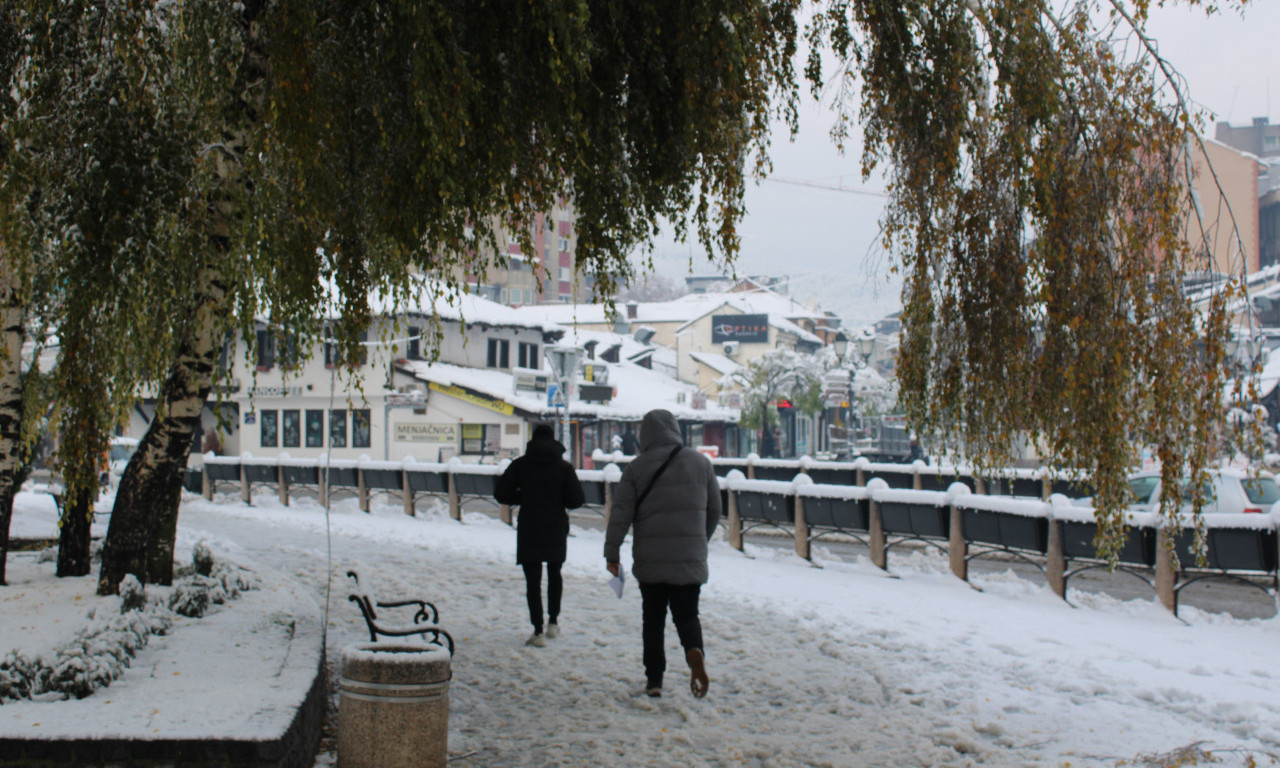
(638, 391)
(681, 310)
(448, 303)
(716, 362)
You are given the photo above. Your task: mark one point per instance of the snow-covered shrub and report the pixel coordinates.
(99, 654)
(192, 595)
(235, 579)
(132, 596)
(18, 676)
(202, 559)
(48, 555)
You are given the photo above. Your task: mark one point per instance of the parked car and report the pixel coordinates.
(1232, 491)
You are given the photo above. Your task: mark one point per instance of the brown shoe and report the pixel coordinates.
(698, 680)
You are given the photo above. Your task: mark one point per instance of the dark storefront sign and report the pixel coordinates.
(751, 329)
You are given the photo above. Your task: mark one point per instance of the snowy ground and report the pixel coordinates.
(841, 665)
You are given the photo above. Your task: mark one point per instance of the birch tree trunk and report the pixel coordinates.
(145, 517)
(12, 317)
(144, 521)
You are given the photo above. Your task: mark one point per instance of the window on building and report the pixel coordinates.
(315, 429)
(266, 349)
(565, 274)
(289, 351)
(337, 429)
(564, 245)
(333, 353)
(528, 355)
(361, 429)
(499, 353)
(502, 296)
(414, 345)
(481, 439)
(268, 429)
(290, 429)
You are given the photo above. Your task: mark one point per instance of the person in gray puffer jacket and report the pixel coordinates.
(670, 499)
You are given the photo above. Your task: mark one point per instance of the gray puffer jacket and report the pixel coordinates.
(671, 528)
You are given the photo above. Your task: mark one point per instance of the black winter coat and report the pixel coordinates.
(544, 486)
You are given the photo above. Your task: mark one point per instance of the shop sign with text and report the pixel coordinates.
(417, 432)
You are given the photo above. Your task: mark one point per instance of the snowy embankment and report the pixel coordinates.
(839, 665)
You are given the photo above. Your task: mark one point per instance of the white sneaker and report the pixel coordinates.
(537, 640)
(553, 630)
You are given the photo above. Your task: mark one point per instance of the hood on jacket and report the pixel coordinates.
(544, 446)
(659, 427)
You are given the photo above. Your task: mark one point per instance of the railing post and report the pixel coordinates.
(917, 483)
(875, 537)
(958, 546)
(244, 484)
(322, 476)
(282, 483)
(504, 514)
(206, 485)
(362, 489)
(455, 505)
(860, 477)
(406, 490)
(735, 522)
(979, 485)
(801, 530)
(751, 468)
(1166, 577)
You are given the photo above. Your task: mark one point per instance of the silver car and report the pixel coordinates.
(1229, 491)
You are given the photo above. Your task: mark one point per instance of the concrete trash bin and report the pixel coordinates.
(393, 711)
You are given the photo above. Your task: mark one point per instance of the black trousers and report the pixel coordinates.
(533, 592)
(655, 599)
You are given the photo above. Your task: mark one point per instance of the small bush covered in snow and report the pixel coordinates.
(100, 653)
(132, 596)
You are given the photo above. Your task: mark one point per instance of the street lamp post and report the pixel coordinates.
(866, 347)
(563, 361)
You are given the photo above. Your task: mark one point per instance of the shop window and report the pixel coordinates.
(361, 429)
(268, 429)
(481, 439)
(290, 429)
(338, 429)
(315, 429)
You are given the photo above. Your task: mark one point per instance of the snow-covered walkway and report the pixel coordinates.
(835, 666)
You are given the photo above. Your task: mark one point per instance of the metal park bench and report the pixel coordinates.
(423, 623)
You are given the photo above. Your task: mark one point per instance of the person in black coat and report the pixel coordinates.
(544, 486)
(629, 442)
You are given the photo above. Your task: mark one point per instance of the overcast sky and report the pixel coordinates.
(825, 240)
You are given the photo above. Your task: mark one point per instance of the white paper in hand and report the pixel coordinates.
(616, 582)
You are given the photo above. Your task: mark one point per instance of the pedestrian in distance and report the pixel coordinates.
(629, 442)
(669, 499)
(545, 487)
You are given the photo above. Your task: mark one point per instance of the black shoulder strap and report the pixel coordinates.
(654, 479)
